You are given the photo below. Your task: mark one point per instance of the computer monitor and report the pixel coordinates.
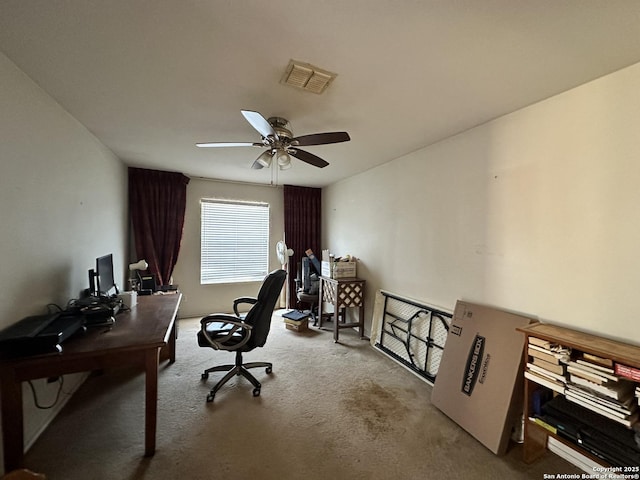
(104, 274)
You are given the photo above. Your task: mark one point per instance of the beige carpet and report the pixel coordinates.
(328, 411)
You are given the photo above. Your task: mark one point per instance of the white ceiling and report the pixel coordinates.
(150, 78)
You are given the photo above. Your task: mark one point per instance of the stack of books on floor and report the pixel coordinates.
(296, 320)
(547, 364)
(593, 384)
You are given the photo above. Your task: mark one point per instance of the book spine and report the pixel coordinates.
(627, 372)
(595, 366)
(560, 369)
(596, 406)
(541, 343)
(603, 390)
(547, 357)
(587, 375)
(605, 362)
(547, 373)
(594, 371)
(626, 422)
(544, 424)
(544, 382)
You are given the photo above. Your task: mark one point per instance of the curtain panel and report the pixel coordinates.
(157, 203)
(302, 222)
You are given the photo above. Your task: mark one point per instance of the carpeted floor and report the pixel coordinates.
(328, 411)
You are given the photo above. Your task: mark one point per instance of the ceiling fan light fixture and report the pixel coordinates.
(265, 159)
(284, 160)
(307, 77)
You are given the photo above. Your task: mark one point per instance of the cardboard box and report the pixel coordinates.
(480, 379)
(337, 269)
(340, 269)
(297, 325)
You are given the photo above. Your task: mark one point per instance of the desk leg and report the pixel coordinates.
(361, 321)
(152, 357)
(320, 310)
(336, 318)
(12, 422)
(172, 343)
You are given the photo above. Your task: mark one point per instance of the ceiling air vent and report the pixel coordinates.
(307, 77)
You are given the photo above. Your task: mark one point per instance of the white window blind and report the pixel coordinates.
(234, 243)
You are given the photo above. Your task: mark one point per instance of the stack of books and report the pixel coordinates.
(592, 383)
(547, 364)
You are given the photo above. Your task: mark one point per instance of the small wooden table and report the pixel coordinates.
(342, 293)
(135, 339)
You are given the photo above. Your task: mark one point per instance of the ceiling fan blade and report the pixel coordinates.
(309, 158)
(258, 122)
(321, 138)
(229, 144)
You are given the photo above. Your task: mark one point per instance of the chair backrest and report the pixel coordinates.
(261, 312)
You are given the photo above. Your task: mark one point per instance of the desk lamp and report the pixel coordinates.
(136, 267)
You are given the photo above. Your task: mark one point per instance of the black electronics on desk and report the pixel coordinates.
(97, 311)
(101, 303)
(149, 285)
(102, 280)
(38, 334)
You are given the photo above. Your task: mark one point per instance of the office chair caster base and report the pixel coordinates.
(256, 392)
(268, 370)
(204, 376)
(210, 397)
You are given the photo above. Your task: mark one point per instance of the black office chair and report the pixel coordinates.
(238, 333)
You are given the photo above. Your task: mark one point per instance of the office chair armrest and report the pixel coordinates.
(234, 325)
(238, 301)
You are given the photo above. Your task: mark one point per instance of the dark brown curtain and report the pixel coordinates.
(302, 221)
(157, 202)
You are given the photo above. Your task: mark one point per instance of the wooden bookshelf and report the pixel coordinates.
(535, 436)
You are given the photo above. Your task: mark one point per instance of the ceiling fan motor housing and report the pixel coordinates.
(281, 127)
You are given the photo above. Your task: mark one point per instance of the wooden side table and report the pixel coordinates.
(342, 293)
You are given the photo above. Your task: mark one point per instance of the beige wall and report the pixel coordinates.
(536, 212)
(63, 203)
(199, 299)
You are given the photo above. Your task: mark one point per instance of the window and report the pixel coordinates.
(234, 243)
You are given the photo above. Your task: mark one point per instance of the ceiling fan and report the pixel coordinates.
(280, 142)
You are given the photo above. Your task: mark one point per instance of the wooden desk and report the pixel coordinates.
(342, 293)
(134, 340)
